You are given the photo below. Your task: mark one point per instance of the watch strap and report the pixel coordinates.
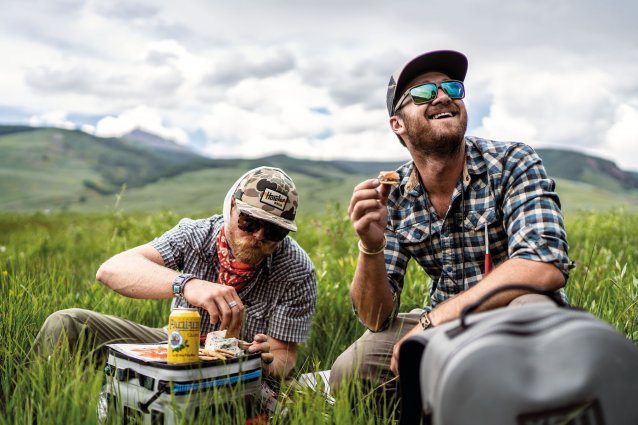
(425, 321)
(179, 282)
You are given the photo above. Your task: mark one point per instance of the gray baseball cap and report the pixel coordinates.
(268, 194)
(449, 62)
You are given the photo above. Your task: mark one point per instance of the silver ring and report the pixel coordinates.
(232, 304)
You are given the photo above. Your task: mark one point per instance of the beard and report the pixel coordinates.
(249, 250)
(435, 142)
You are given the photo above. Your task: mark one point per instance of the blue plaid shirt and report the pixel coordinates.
(503, 186)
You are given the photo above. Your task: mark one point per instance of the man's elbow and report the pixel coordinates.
(105, 272)
(102, 273)
(552, 277)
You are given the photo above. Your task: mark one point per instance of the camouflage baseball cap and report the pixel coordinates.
(268, 194)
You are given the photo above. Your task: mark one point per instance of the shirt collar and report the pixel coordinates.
(474, 161)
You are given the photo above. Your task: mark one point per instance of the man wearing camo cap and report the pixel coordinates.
(240, 269)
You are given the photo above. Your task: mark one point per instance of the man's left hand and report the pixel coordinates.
(261, 345)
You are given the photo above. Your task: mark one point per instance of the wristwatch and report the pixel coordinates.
(424, 320)
(179, 282)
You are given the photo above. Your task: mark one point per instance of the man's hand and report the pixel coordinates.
(221, 302)
(370, 291)
(261, 345)
(368, 212)
(394, 362)
(278, 357)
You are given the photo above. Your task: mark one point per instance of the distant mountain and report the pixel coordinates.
(8, 129)
(153, 141)
(581, 167)
(50, 168)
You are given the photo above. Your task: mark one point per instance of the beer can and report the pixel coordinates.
(183, 336)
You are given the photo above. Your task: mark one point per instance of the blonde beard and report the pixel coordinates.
(250, 251)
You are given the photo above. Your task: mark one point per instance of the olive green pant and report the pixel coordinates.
(90, 330)
(368, 359)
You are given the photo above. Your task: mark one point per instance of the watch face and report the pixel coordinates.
(176, 289)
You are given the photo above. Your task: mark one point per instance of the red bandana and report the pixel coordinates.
(232, 272)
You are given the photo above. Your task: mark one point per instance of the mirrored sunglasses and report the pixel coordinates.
(272, 232)
(426, 93)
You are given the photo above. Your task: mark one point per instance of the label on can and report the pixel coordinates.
(183, 336)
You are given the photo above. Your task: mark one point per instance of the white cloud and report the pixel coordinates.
(309, 78)
(52, 119)
(563, 108)
(282, 114)
(143, 118)
(622, 138)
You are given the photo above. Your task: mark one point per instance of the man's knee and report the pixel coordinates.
(61, 328)
(67, 321)
(343, 369)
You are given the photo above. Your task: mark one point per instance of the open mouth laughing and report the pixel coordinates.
(441, 115)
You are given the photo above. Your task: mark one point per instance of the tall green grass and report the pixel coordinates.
(48, 262)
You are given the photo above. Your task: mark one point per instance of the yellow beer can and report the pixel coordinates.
(183, 336)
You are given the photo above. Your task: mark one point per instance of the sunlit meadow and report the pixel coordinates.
(48, 262)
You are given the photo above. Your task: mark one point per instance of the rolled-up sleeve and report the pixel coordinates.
(531, 212)
(171, 246)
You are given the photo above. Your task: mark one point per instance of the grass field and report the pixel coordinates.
(48, 262)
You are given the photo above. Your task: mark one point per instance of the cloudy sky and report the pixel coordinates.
(308, 77)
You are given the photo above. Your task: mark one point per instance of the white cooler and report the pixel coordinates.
(152, 391)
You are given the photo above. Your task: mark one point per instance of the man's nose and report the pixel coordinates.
(259, 234)
(441, 96)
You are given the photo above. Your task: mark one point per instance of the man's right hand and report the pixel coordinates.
(221, 302)
(368, 212)
(370, 291)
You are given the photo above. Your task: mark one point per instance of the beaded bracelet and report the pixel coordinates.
(365, 251)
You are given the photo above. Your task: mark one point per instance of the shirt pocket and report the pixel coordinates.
(476, 220)
(414, 232)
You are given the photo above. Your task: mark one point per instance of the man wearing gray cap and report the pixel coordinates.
(459, 198)
(240, 264)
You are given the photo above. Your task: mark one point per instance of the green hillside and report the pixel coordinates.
(55, 169)
(580, 167)
(203, 191)
(49, 169)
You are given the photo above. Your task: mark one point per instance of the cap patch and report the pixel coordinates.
(274, 199)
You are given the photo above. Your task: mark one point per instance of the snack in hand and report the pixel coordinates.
(389, 177)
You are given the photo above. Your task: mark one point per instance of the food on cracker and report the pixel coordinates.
(218, 347)
(389, 177)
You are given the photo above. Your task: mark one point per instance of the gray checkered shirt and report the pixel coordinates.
(279, 300)
(505, 186)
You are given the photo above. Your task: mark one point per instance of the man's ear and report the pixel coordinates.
(396, 124)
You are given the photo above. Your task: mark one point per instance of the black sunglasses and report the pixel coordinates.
(272, 232)
(426, 93)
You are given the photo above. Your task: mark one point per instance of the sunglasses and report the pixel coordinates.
(426, 93)
(250, 224)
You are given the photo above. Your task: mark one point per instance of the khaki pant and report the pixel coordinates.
(94, 330)
(368, 359)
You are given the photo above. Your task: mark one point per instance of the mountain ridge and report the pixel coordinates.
(51, 168)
